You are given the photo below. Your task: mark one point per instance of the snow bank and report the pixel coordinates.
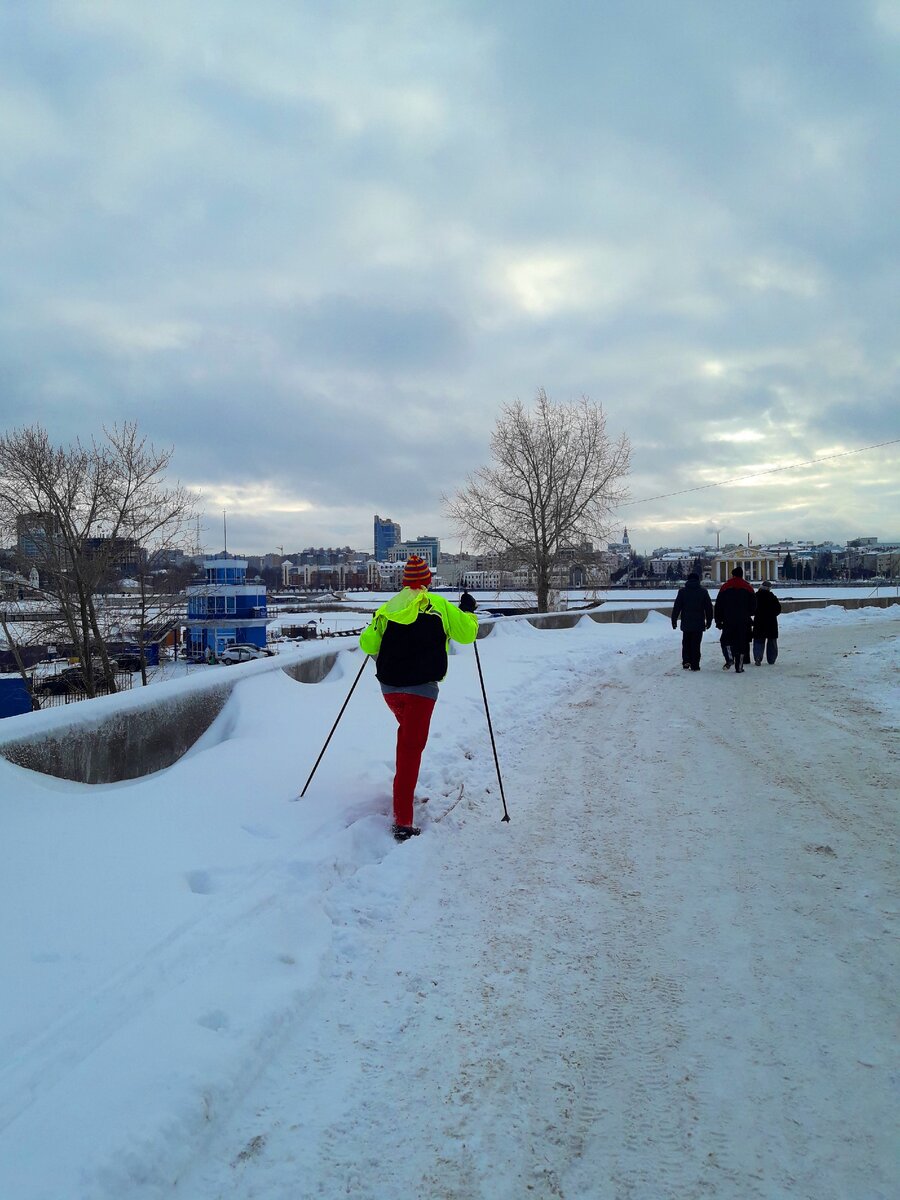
(162, 935)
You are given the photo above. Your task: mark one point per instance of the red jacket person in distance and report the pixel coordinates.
(409, 636)
(734, 609)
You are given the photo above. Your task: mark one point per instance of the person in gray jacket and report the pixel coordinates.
(694, 607)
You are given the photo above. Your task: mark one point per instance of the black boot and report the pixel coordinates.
(402, 833)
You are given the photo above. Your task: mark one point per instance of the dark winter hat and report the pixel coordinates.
(739, 571)
(693, 577)
(416, 573)
(765, 583)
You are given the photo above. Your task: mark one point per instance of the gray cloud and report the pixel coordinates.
(316, 247)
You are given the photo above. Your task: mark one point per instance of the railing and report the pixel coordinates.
(124, 681)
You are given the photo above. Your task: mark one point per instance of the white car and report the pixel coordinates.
(243, 652)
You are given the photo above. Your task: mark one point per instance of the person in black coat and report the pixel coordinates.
(694, 607)
(734, 609)
(765, 625)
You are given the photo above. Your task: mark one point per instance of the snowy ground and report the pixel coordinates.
(671, 975)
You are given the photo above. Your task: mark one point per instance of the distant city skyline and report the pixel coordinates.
(450, 548)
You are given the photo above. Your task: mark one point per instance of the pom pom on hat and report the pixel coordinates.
(416, 573)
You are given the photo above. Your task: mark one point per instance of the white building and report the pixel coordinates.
(756, 563)
(486, 581)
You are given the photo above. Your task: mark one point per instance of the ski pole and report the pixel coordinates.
(487, 713)
(334, 727)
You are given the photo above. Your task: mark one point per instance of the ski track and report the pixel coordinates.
(574, 1065)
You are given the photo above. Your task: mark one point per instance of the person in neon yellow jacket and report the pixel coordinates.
(409, 637)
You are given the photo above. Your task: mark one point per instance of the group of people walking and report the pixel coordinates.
(410, 635)
(744, 616)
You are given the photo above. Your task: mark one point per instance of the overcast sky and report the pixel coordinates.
(315, 245)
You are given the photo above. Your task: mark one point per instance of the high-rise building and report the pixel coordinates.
(387, 534)
(123, 555)
(427, 548)
(38, 536)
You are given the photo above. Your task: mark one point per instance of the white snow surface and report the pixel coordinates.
(672, 974)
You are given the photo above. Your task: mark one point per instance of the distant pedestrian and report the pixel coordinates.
(734, 609)
(694, 607)
(765, 625)
(410, 636)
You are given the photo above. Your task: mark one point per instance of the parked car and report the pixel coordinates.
(69, 680)
(61, 684)
(244, 652)
(128, 662)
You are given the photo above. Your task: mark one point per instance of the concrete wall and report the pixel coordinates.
(137, 733)
(147, 731)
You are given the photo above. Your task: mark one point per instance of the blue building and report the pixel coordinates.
(226, 609)
(387, 534)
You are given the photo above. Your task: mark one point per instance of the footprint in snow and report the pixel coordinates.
(260, 831)
(216, 1020)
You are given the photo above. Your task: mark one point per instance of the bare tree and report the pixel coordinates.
(556, 476)
(78, 505)
(160, 600)
(155, 518)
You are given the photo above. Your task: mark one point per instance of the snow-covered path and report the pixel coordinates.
(671, 976)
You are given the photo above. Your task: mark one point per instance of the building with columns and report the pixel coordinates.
(757, 564)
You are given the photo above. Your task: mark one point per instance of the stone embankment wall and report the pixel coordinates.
(138, 733)
(134, 733)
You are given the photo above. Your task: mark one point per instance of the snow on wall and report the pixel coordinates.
(132, 734)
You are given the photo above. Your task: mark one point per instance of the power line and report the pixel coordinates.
(755, 475)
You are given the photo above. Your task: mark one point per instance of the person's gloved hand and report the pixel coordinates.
(674, 624)
(467, 602)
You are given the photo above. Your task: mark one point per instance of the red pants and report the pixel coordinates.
(413, 715)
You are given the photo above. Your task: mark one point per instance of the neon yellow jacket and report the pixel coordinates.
(405, 607)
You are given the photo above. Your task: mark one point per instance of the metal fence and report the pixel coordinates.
(123, 680)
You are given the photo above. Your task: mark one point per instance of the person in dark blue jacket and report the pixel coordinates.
(765, 625)
(694, 607)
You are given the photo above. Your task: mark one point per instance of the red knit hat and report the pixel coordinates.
(416, 573)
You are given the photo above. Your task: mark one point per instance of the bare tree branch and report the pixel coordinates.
(82, 505)
(556, 477)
